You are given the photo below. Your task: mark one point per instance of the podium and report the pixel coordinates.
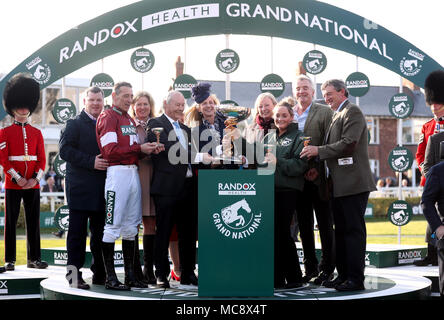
(236, 233)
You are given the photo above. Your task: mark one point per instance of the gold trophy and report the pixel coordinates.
(157, 131)
(234, 115)
(306, 140)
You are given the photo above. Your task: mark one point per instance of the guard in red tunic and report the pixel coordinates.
(23, 159)
(429, 128)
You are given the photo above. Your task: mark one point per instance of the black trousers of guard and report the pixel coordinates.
(76, 240)
(310, 200)
(286, 260)
(31, 203)
(180, 210)
(351, 235)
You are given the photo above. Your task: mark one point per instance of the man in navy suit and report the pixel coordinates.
(85, 185)
(172, 187)
(433, 193)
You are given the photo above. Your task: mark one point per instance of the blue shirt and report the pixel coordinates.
(301, 119)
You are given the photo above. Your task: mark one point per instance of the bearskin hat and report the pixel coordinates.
(434, 87)
(201, 92)
(21, 91)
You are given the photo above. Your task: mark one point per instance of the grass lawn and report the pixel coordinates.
(379, 231)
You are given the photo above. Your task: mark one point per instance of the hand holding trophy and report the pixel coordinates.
(234, 115)
(157, 132)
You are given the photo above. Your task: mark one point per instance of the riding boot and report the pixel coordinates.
(137, 267)
(128, 261)
(148, 258)
(112, 282)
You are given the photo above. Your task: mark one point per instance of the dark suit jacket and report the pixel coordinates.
(432, 155)
(347, 137)
(316, 126)
(78, 147)
(434, 193)
(170, 166)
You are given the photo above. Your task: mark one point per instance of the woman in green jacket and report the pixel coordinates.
(288, 142)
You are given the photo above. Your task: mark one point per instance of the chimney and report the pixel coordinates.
(179, 67)
(410, 85)
(300, 69)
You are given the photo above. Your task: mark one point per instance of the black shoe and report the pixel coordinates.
(76, 282)
(323, 276)
(292, 285)
(81, 284)
(190, 279)
(37, 264)
(128, 260)
(333, 283)
(350, 285)
(112, 282)
(162, 282)
(2, 269)
(310, 275)
(9, 266)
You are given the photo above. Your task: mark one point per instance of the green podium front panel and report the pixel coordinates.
(236, 233)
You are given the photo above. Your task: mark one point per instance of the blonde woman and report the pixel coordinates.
(142, 110)
(263, 120)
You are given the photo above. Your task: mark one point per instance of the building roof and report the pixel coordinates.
(374, 103)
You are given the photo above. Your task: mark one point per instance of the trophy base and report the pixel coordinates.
(229, 160)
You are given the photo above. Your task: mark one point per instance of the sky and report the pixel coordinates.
(28, 25)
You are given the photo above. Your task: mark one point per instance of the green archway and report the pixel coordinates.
(152, 21)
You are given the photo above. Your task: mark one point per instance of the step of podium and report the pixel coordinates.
(403, 282)
(381, 255)
(24, 283)
(379, 283)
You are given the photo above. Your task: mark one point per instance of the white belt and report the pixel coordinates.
(126, 166)
(22, 158)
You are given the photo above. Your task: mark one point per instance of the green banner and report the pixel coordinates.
(236, 228)
(153, 21)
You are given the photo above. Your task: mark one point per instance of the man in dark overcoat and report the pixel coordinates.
(85, 185)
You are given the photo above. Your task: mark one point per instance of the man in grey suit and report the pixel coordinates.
(314, 120)
(348, 170)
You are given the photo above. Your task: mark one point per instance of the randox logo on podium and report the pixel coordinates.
(237, 220)
(3, 286)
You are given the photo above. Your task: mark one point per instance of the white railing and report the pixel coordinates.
(393, 192)
(45, 197)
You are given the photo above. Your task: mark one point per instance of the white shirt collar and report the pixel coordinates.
(170, 119)
(89, 115)
(340, 106)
